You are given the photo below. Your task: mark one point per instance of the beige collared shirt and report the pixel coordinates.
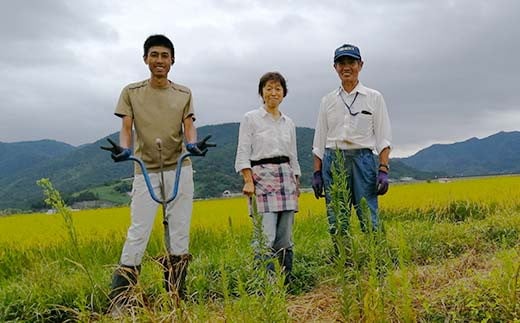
(261, 136)
(157, 113)
(337, 128)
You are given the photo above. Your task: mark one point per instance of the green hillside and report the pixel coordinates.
(19, 156)
(88, 167)
(496, 154)
(84, 167)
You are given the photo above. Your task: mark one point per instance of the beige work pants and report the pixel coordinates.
(144, 209)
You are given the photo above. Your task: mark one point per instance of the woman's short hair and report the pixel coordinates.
(272, 76)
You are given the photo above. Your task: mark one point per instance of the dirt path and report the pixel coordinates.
(319, 305)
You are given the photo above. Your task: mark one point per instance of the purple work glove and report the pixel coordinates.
(382, 183)
(200, 148)
(317, 184)
(119, 153)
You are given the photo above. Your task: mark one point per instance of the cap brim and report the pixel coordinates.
(346, 54)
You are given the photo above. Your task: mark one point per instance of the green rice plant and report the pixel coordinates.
(224, 271)
(453, 211)
(54, 200)
(364, 259)
(475, 295)
(272, 290)
(458, 211)
(402, 275)
(399, 283)
(505, 280)
(312, 250)
(434, 242)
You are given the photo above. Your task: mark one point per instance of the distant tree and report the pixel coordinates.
(123, 187)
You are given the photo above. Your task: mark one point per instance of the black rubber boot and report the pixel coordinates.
(175, 270)
(285, 257)
(123, 282)
(261, 261)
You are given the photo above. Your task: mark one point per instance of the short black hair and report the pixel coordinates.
(158, 40)
(272, 76)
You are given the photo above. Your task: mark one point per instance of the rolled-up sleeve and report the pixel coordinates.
(244, 147)
(295, 165)
(382, 128)
(124, 105)
(320, 133)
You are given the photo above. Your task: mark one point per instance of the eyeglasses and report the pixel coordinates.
(351, 104)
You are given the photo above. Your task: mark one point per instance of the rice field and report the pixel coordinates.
(449, 252)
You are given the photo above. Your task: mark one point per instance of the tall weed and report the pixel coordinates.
(365, 259)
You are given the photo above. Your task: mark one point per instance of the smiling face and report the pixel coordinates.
(348, 69)
(159, 60)
(272, 93)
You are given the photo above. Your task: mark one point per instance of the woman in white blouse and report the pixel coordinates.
(268, 161)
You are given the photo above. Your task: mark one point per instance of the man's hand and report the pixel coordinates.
(118, 153)
(200, 148)
(382, 183)
(317, 184)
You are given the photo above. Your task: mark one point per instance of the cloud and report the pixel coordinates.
(38, 32)
(447, 68)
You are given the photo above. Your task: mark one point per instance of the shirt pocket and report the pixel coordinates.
(362, 124)
(285, 137)
(264, 137)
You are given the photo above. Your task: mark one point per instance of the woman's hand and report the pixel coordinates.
(249, 185)
(249, 189)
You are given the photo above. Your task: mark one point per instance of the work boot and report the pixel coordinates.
(285, 258)
(123, 281)
(175, 270)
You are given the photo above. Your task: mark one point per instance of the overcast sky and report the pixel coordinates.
(449, 70)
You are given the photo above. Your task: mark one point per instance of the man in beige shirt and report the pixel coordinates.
(156, 108)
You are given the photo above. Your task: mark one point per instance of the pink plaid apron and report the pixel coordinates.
(275, 188)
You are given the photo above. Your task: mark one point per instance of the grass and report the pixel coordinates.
(108, 193)
(450, 252)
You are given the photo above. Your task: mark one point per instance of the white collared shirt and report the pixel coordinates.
(261, 136)
(337, 128)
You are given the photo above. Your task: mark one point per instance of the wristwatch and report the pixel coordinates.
(384, 166)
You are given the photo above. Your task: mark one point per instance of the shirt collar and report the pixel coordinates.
(360, 88)
(264, 113)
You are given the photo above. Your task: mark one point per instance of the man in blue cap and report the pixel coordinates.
(353, 119)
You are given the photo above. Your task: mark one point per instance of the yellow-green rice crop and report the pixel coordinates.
(504, 190)
(47, 229)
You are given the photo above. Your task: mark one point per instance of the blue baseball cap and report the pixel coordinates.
(347, 50)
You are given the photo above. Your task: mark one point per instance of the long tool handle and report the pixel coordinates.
(164, 203)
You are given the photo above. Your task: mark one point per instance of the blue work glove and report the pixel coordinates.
(118, 153)
(382, 182)
(200, 148)
(317, 184)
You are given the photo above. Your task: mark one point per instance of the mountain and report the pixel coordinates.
(74, 169)
(399, 170)
(496, 154)
(19, 156)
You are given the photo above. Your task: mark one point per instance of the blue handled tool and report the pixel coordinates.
(116, 151)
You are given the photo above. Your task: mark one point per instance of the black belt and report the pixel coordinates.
(272, 160)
